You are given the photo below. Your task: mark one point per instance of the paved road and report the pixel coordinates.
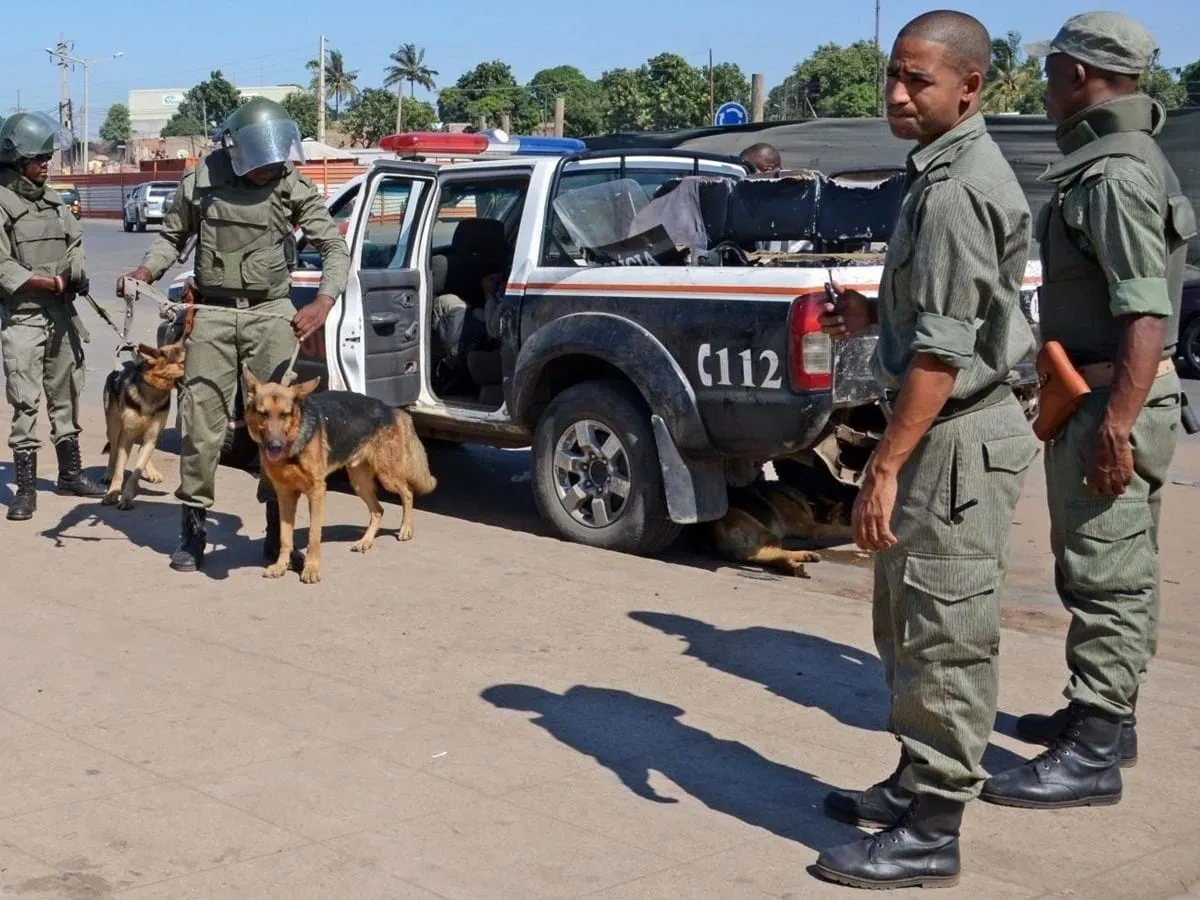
(485, 712)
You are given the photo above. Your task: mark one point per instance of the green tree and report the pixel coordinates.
(676, 91)
(1189, 77)
(302, 107)
(117, 128)
(408, 65)
(838, 82)
(208, 104)
(730, 83)
(1160, 84)
(624, 104)
(488, 92)
(1014, 81)
(372, 115)
(584, 115)
(339, 83)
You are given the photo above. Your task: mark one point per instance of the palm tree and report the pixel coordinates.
(1009, 77)
(338, 82)
(408, 64)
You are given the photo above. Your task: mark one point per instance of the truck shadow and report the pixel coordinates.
(632, 736)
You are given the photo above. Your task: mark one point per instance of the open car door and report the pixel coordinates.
(379, 329)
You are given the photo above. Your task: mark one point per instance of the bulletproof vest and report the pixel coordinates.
(1075, 292)
(246, 243)
(36, 230)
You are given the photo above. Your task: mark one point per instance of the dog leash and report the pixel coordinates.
(137, 290)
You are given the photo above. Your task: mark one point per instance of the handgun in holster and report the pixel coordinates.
(1190, 424)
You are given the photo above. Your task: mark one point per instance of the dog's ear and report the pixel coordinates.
(148, 353)
(249, 382)
(304, 388)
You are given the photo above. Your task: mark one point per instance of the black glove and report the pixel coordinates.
(80, 286)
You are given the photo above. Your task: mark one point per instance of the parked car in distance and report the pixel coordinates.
(1189, 329)
(70, 197)
(146, 204)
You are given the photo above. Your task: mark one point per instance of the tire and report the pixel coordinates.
(1189, 347)
(607, 411)
(141, 227)
(126, 224)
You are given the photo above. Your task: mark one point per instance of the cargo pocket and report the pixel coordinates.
(951, 609)
(1181, 221)
(1012, 454)
(265, 268)
(1107, 547)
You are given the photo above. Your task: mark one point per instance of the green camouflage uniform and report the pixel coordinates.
(38, 331)
(241, 266)
(1113, 243)
(951, 289)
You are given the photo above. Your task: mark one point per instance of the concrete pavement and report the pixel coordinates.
(489, 712)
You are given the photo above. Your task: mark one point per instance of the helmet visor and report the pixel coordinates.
(264, 144)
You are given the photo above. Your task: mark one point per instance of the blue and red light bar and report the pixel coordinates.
(480, 145)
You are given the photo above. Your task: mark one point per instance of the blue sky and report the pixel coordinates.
(269, 43)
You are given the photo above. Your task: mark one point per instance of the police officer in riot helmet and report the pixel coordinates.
(242, 202)
(41, 273)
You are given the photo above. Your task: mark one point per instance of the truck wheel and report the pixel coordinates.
(1189, 347)
(596, 476)
(125, 222)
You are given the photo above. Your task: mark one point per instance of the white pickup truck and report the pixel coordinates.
(641, 341)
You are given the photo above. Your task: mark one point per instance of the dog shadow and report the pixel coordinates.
(845, 682)
(155, 527)
(632, 736)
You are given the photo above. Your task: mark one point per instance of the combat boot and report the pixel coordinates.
(879, 805)
(1038, 729)
(24, 502)
(71, 480)
(1080, 767)
(919, 850)
(271, 541)
(189, 555)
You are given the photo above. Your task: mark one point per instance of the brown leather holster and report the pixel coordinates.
(189, 295)
(1063, 389)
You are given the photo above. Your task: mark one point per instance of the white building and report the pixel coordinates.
(151, 109)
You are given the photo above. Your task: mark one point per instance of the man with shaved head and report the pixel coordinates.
(762, 158)
(938, 494)
(1113, 242)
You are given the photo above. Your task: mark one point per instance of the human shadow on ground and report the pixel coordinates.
(155, 527)
(632, 736)
(845, 682)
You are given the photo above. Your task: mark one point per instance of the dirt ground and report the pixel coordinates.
(490, 712)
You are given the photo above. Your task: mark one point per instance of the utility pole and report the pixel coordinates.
(878, 71)
(321, 94)
(65, 61)
(712, 89)
(64, 88)
(560, 115)
(757, 98)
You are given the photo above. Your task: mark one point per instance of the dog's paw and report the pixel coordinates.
(311, 573)
(152, 476)
(405, 533)
(809, 556)
(362, 546)
(275, 570)
(125, 502)
(111, 498)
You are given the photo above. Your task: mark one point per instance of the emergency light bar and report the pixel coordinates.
(492, 144)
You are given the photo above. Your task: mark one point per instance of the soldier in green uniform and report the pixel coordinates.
(1113, 244)
(243, 202)
(41, 272)
(938, 494)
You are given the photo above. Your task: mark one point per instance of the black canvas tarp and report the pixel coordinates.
(830, 145)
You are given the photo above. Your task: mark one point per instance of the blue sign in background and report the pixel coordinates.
(731, 113)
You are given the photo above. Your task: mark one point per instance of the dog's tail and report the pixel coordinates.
(420, 479)
(112, 387)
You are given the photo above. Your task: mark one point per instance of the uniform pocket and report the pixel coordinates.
(265, 268)
(1012, 454)
(1181, 221)
(951, 607)
(1107, 546)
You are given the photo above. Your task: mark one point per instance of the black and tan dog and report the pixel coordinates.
(304, 437)
(137, 400)
(762, 514)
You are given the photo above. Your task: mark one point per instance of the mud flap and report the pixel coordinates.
(695, 488)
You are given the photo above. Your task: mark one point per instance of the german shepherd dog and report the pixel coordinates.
(137, 399)
(763, 513)
(303, 438)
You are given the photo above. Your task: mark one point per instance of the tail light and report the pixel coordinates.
(810, 351)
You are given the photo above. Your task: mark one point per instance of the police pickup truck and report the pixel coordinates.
(655, 325)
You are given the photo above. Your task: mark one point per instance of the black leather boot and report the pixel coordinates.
(71, 480)
(189, 555)
(920, 850)
(879, 805)
(271, 541)
(1038, 729)
(24, 502)
(1078, 769)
